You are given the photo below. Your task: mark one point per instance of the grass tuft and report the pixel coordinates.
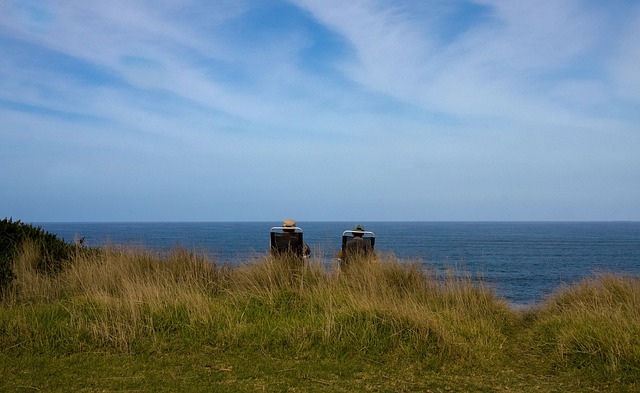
(594, 324)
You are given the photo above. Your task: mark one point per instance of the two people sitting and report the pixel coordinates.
(288, 239)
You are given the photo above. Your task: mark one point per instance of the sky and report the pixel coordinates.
(320, 110)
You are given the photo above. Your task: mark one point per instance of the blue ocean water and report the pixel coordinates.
(522, 261)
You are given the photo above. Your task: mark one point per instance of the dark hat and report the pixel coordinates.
(358, 228)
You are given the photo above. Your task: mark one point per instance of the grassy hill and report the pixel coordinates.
(126, 319)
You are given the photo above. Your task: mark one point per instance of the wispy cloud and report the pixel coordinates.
(515, 59)
(480, 103)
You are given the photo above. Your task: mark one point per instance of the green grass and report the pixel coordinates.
(134, 320)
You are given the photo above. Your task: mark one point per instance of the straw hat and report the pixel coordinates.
(289, 223)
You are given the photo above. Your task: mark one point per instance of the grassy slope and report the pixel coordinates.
(130, 320)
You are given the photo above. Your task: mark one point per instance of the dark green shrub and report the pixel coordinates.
(6, 258)
(54, 252)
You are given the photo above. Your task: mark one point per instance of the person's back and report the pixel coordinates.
(358, 246)
(287, 243)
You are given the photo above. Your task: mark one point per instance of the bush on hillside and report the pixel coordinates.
(54, 252)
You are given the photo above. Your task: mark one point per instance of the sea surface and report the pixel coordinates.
(523, 262)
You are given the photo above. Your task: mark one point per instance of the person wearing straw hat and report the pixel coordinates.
(289, 226)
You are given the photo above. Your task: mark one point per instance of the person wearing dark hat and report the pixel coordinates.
(357, 245)
(288, 228)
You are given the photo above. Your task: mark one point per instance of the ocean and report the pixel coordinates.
(523, 262)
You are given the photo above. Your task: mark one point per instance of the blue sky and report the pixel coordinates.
(235, 110)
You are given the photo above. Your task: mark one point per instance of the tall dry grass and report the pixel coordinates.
(379, 305)
(126, 299)
(109, 299)
(132, 300)
(593, 324)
